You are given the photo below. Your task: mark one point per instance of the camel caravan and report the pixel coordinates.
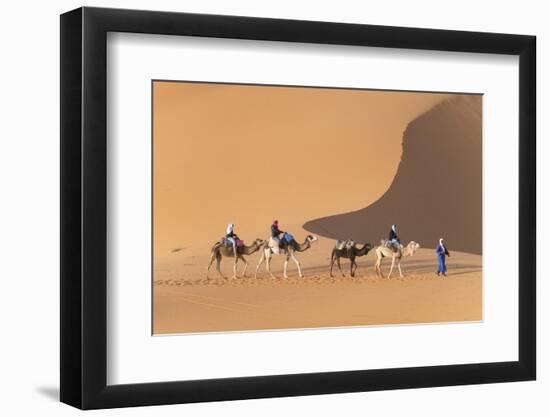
(284, 244)
(280, 243)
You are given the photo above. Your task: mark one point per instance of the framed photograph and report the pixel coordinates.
(257, 208)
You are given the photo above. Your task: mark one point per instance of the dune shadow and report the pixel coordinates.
(437, 190)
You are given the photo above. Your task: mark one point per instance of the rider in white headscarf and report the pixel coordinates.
(393, 238)
(231, 237)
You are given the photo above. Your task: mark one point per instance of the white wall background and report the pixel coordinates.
(29, 225)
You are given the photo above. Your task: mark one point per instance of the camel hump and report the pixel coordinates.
(394, 247)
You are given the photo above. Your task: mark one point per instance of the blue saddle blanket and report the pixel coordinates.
(287, 237)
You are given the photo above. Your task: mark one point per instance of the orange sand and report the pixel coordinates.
(184, 301)
(247, 155)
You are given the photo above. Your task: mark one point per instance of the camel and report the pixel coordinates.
(350, 253)
(383, 251)
(289, 250)
(220, 250)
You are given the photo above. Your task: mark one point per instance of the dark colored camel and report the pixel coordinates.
(350, 253)
(220, 250)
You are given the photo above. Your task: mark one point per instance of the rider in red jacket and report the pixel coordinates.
(275, 231)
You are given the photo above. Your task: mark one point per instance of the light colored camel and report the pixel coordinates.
(220, 250)
(385, 252)
(350, 253)
(288, 250)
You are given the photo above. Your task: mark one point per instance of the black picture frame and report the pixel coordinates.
(84, 207)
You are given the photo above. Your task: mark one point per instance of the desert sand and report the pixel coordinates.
(186, 302)
(247, 155)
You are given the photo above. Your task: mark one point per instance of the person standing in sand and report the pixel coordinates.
(441, 251)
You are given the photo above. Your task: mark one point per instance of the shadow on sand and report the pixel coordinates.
(437, 190)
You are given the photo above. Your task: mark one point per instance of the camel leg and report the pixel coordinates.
(340, 266)
(287, 257)
(399, 267)
(218, 262)
(260, 262)
(377, 267)
(391, 267)
(235, 260)
(353, 267)
(268, 265)
(245, 265)
(212, 258)
(297, 265)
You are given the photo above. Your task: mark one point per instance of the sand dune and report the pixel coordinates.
(249, 154)
(437, 191)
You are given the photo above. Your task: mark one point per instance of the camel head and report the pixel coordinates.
(413, 246)
(363, 250)
(311, 238)
(258, 242)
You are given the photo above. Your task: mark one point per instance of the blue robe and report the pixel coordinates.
(441, 251)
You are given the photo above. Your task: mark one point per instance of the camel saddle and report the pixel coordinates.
(227, 242)
(394, 246)
(345, 244)
(274, 244)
